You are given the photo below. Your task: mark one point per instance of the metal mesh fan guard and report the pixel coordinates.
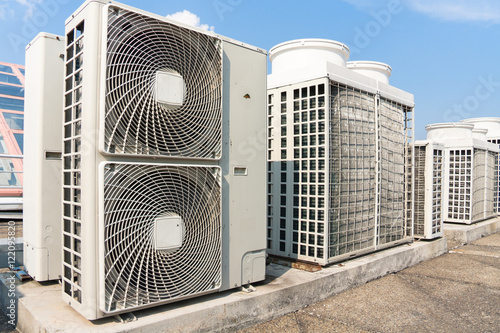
(352, 170)
(138, 47)
(392, 171)
(136, 274)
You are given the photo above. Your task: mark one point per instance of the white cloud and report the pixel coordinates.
(459, 10)
(3, 10)
(449, 10)
(189, 18)
(28, 6)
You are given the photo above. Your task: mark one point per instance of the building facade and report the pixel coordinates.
(11, 135)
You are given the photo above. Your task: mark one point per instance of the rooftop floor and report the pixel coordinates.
(410, 288)
(456, 292)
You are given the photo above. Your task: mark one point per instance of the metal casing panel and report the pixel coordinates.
(428, 190)
(434, 191)
(289, 196)
(80, 250)
(42, 160)
(342, 75)
(244, 139)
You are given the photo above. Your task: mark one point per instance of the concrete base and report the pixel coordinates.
(285, 290)
(459, 234)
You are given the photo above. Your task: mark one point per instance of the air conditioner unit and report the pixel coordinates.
(339, 176)
(492, 124)
(163, 186)
(428, 190)
(470, 172)
(42, 157)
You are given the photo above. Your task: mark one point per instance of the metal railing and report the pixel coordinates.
(10, 172)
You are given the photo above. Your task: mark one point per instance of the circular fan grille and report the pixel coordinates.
(139, 47)
(136, 273)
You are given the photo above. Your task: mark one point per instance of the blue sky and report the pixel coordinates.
(445, 52)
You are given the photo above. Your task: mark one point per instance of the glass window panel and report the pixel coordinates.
(11, 104)
(6, 69)
(3, 146)
(9, 79)
(8, 175)
(20, 141)
(11, 90)
(14, 120)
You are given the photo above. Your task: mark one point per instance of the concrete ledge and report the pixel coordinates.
(285, 290)
(459, 234)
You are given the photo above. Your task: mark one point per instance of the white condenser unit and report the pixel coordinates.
(428, 190)
(470, 172)
(339, 175)
(492, 124)
(42, 157)
(164, 181)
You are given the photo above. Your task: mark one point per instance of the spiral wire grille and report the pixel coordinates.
(137, 274)
(138, 47)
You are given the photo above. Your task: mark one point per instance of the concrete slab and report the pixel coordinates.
(493, 240)
(457, 292)
(459, 234)
(285, 290)
(409, 304)
(493, 252)
(463, 267)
